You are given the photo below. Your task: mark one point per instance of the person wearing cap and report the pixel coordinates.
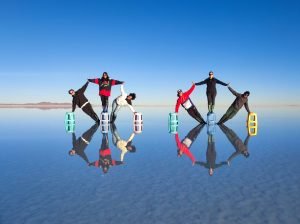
(183, 147)
(211, 90)
(80, 144)
(185, 101)
(105, 84)
(124, 145)
(122, 101)
(240, 101)
(81, 101)
(241, 148)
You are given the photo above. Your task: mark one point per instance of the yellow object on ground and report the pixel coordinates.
(252, 124)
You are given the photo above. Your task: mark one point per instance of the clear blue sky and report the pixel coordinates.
(47, 47)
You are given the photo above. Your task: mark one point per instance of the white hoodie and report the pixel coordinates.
(121, 100)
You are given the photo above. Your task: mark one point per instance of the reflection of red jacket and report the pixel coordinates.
(185, 96)
(105, 154)
(105, 86)
(184, 149)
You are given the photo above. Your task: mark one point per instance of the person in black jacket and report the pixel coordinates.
(211, 90)
(240, 101)
(80, 144)
(81, 101)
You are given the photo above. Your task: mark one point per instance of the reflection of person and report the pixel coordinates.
(81, 101)
(185, 101)
(124, 145)
(183, 147)
(211, 90)
(80, 144)
(105, 160)
(123, 100)
(240, 101)
(211, 156)
(241, 148)
(105, 84)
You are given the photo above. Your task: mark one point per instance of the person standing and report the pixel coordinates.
(105, 84)
(81, 101)
(211, 90)
(240, 101)
(185, 101)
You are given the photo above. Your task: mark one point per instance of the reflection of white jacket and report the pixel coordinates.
(121, 100)
(121, 144)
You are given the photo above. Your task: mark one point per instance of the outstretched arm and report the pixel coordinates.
(131, 137)
(187, 93)
(73, 139)
(177, 106)
(247, 140)
(221, 83)
(83, 88)
(247, 107)
(201, 83)
(96, 81)
(122, 90)
(233, 91)
(73, 105)
(116, 82)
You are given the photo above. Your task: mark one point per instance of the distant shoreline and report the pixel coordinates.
(50, 105)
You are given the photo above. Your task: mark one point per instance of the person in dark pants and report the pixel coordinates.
(186, 102)
(81, 101)
(183, 147)
(80, 144)
(211, 156)
(105, 84)
(105, 160)
(240, 101)
(241, 148)
(211, 90)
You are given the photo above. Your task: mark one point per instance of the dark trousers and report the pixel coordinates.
(89, 111)
(195, 114)
(230, 113)
(104, 101)
(211, 96)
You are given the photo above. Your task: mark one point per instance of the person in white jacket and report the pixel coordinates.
(124, 145)
(121, 101)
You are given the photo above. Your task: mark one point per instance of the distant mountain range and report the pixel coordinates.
(40, 105)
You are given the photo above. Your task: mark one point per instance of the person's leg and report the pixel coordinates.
(106, 104)
(230, 113)
(115, 109)
(89, 111)
(209, 100)
(103, 102)
(192, 135)
(225, 116)
(192, 111)
(213, 101)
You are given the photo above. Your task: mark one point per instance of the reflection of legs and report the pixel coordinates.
(195, 114)
(104, 143)
(211, 152)
(213, 102)
(89, 111)
(192, 135)
(115, 109)
(115, 135)
(90, 132)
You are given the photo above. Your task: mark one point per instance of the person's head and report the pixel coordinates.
(71, 92)
(72, 152)
(131, 96)
(105, 76)
(246, 94)
(211, 74)
(105, 168)
(246, 153)
(130, 147)
(179, 92)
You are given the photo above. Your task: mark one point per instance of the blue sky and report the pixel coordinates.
(156, 47)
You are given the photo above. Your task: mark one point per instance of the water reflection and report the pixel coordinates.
(211, 156)
(123, 145)
(241, 148)
(183, 147)
(105, 160)
(80, 144)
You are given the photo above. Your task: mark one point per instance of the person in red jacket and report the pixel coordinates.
(183, 147)
(105, 84)
(188, 105)
(105, 160)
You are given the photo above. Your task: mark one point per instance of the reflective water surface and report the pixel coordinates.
(194, 176)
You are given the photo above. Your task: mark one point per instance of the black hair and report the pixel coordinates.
(133, 148)
(104, 79)
(70, 91)
(247, 93)
(133, 95)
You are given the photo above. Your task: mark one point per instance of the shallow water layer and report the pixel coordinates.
(42, 183)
